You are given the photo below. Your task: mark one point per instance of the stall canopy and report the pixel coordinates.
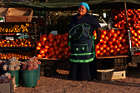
(74, 3)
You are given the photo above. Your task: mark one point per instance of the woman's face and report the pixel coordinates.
(82, 10)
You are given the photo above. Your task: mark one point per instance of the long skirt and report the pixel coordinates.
(83, 71)
(80, 71)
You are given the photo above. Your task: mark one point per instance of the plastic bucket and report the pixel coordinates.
(29, 78)
(38, 72)
(15, 74)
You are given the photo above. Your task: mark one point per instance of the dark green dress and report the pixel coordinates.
(81, 41)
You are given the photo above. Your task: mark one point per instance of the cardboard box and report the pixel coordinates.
(104, 74)
(119, 75)
(110, 74)
(6, 87)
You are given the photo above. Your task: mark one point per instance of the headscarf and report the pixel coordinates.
(85, 5)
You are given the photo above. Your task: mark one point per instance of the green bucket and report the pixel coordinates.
(15, 74)
(38, 71)
(29, 78)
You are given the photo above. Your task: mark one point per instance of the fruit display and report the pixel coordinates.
(53, 46)
(115, 41)
(16, 43)
(10, 55)
(133, 24)
(30, 64)
(112, 43)
(15, 28)
(15, 40)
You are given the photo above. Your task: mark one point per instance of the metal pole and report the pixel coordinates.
(130, 52)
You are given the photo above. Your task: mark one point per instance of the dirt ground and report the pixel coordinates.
(62, 85)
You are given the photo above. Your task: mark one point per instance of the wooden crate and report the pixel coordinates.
(18, 19)
(19, 15)
(110, 74)
(118, 56)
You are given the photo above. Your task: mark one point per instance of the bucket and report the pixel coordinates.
(15, 74)
(29, 78)
(38, 72)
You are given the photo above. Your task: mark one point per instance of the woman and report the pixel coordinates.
(81, 41)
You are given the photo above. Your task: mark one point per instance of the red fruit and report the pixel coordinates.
(116, 17)
(101, 41)
(98, 52)
(106, 38)
(135, 34)
(115, 35)
(46, 57)
(138, 31)
(118, 32)
(101, 48)
(108, 48)
(104, 32)
(110, 42)
(115, 46)
(45, 49)
(112, 50)
(39, 44)
(133, 43)
(107, 53)
(39, 56)
(114, 40)
(102, 36)
(136, 40)
(50, 36)
(38, 48)
(133, 31)
(123, 40)
(42, 51)
(112, 31)
(120, 45)
(104, 51)
(101, 54)
(97, 46)
(44, 38)
(46, 46)
(120, 38)
(104, 46)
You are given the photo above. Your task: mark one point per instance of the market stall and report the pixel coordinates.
(43, 32)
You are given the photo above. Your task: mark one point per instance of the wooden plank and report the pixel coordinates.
(45, 59)
(121, 56)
